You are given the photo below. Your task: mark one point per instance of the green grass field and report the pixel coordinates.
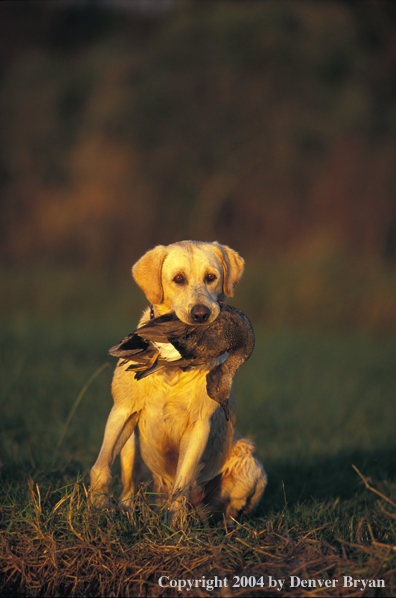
(315, 404)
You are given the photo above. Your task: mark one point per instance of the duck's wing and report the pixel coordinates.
(129, 347)
(163, 328)
(145, 362)
(138, 342)
(167, 333)
(150, 346)
(159, 364)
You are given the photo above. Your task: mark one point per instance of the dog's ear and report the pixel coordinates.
(147, 273)
(233, 265)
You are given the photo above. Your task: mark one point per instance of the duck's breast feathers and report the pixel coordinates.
(237, 328)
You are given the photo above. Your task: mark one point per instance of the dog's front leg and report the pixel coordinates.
(192, 447)
(120, 425)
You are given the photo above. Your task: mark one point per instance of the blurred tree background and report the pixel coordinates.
(267, 126)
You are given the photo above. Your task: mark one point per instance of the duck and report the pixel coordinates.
(165, 342)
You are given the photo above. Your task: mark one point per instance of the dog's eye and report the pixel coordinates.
(211, 277)
(179, 278)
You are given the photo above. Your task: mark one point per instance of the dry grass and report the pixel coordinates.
(56, 546)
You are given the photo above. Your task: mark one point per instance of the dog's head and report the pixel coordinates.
(188, 278)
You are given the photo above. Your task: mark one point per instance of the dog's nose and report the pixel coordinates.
(200, 313)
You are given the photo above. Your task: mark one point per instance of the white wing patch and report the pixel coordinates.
(167, 351)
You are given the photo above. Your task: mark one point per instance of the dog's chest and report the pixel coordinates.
(168, 402)
(172, 401)
(162, 424)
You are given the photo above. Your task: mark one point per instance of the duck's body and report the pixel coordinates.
(166, 342)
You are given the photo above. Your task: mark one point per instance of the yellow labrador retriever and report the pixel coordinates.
(165, 425)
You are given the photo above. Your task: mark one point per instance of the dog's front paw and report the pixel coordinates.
(99, 500)
(175, 514)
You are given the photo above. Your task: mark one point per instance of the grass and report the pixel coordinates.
(320, 408)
